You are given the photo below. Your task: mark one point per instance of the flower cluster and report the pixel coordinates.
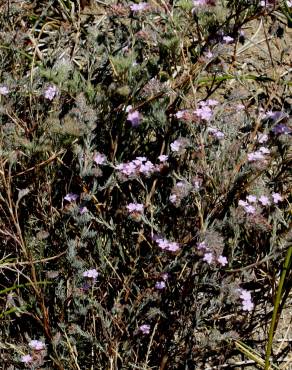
(209, 256)
(37, 345)
(51, 92)
(38, 353)
(228, 39)
(4, 90)
(133, 116)
(247, 207)
(281, 129)
(245, 296)
(92, 274)
(215, 132)
(251, 200)
(135, 207)
(179, 145)
(262, 138)
(83, 209)
(161, 284)
(99, 158)
(140, 165)
(197, 3)
(165, 244)
(258, 155)
(163, 158)
(139, 7)
(274, 115)
(71, 197)
(145, 329)
(135, 210)
(26, 359)
(205, 111)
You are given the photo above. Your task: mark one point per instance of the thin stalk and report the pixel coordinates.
(287, 265)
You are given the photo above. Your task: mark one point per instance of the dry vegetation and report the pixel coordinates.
(145, 184)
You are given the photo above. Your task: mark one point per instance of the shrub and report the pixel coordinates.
(145, 182)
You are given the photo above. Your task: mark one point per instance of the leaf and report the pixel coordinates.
(22, 193)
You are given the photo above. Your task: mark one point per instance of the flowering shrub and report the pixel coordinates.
(145, 184)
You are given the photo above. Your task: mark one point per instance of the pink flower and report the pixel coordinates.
(277, 198)
(276, 115)
(216, 133)
(250, 209)
(209, 55)
(127, 169)
(164, 244)
(200, 2)
(245, 296)
(212, 102)
(228, 39)
(264, 200)
(240, 107)
(255, 156)
(173, 198)
(251, 198)
(71, 197)
(247, 306)
(264, 150)
(208, 257)
(92, 274)
(242, 203)
(26, 359)
(83, 210)
(202, 246)
(204, 113)
(222, 260)
(145, 329)
(4, 90)
(179, 144)
(163, 158)
(139, 7)
(141, 159)
(99, 158)
(165, 276)
(289, 4)
(281, 129)
(180, 114)
(134, 117)
(160, 285)
(51, 92)
(173, 247)
(135, 207)
(180, 184)
(247, 207)
(147, 168)
(262, 138)
(139, 165)
(204, 2)
(175, 146)
(37, 345)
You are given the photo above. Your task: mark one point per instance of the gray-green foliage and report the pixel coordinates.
(155, 61)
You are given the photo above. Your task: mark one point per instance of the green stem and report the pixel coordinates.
(287, 265)
(14, 287)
